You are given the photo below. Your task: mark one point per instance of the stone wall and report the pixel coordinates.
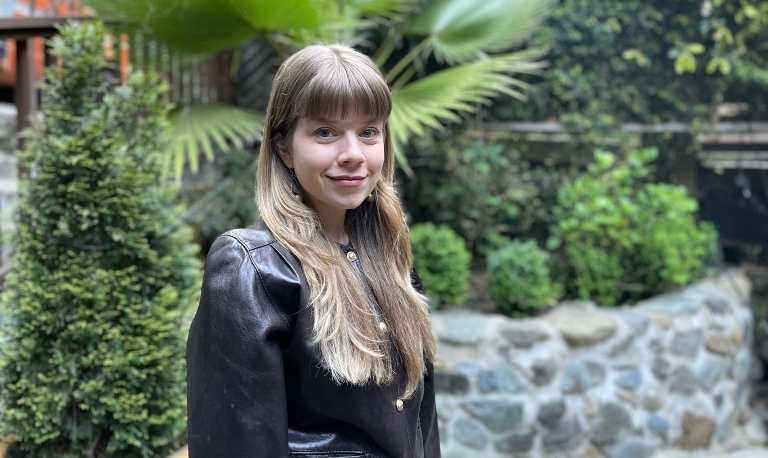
(586, 381)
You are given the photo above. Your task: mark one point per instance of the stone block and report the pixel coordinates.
(696, 432)
(501, 380)
(631, 448)
(551, 412)
(652, 403)
(451, 382)
(629, 379)
(580, 376)
(712, 370)
(463, 329)
(658, 425)
(471, 433)
(719, 343)
(686, 343)
(581, 327)
(497, 415)
(566, 435)
(661, 368)
(515, 443)
(523, 334)
(683, 381)
(610, 424)
(544, 371)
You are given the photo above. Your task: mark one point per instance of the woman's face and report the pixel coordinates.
(337, 162)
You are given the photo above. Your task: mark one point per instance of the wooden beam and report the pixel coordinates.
(25, 86)
(29, 27)
(552, 127)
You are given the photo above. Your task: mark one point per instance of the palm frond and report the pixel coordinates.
(204, 26)
(461, 31)
(203, 128)
(382, 7)
(343, 22)
(429, 102)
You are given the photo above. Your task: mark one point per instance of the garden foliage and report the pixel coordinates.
(622, 237)
(103, 271)
(482, 190)
(646, 61)
(518, 280)
(443, 263)
(222, 197)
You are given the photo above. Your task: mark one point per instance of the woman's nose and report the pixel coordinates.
(351, 149)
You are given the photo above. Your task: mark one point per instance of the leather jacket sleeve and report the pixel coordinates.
(428, 416)
(236, 390)
(428, 410)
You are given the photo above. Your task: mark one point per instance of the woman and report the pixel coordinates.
(310, 338)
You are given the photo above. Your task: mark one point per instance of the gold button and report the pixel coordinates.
(382, 326)
(399, 405)
(351, 256)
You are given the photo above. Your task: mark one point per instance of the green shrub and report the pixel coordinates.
(517, 278)
(103, 271)
(442, 261)
(622, 237)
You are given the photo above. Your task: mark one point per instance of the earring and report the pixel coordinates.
(295, 185)
(371, 197)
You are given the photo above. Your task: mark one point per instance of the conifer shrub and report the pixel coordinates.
(103, 271)
(621, 237)
(517, 278)
(442, 260)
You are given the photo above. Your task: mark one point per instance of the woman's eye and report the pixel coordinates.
(323, 132)
(369, 132)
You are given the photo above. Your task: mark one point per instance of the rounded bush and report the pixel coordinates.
(622, 237)
(442, 261)
(517, 278)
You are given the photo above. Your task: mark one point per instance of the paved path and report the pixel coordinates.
(743, 453)
(183, 454)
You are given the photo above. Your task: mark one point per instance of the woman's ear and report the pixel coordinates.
(278, 145)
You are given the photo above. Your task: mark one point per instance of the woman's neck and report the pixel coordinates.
(337, 231)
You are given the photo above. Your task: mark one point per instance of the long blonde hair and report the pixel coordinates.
(333, 82)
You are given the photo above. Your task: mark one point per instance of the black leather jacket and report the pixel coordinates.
(256, 387)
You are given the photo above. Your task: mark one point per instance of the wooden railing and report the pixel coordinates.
(23, 28)
(191, 80)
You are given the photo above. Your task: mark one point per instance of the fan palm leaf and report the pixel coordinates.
(347, 22)
(461, 31)
(429, 102)
(200, 129)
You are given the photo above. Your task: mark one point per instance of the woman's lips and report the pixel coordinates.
(348, 180)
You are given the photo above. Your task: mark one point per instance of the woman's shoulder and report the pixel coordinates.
(258, 243)
(251, 238)
(252, 256)
(248, 239)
